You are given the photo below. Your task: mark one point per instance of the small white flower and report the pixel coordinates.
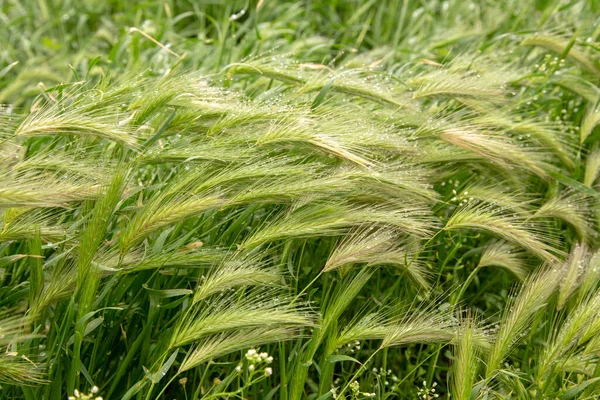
(250, 368)
(269, 359)
(268, 371)
(76, 393)
(94, 389)
(238, 369)
(264, 356)
(251, 352)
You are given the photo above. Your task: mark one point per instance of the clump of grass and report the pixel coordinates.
(466, 361)
(508, 226)
(528, 303)
(336, 196)
(561, 46)
(504, 255)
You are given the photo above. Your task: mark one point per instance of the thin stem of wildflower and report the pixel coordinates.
(306, 287)
(150, 391)
(414, 369)
(167, 385)
(361, 369)
(156, 42)
(236, 392)
(464, 287)
(423, 247)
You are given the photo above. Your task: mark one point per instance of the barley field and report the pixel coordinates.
(299, 199)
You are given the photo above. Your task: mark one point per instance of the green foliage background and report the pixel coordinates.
(299, 199)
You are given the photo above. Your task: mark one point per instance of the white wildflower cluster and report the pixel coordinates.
(353, 347)
(255, 357)
(388, 378)
(428, 393)
(451, 182)
(257, 360)
(355, 388)
(550, 64)
(334, 393)
(461, 198)
(90, 396)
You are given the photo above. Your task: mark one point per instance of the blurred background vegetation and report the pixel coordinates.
(476, 121)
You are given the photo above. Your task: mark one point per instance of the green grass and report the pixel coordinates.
(299, 199)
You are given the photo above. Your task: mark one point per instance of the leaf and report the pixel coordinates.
(321, 96)
(155, 378)
(86, 373)
(74, 72)
(4, 261)
(476, 389)
(160, 242)
(134, 389)
(572, 183)
(7, 69)
(91, 64)
(575, 390)
(325, 396)
(339, 358)
(173, 304)
(272, 393)
(166, 293)
(160, 131)
(89, 315)
(91, 326)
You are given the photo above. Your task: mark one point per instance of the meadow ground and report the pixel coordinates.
(340, 199)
